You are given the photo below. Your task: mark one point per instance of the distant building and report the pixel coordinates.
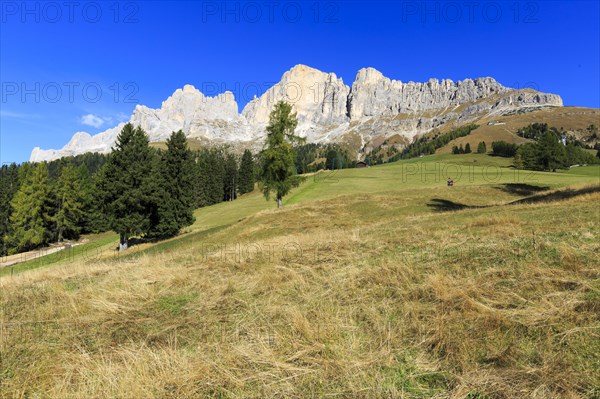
(361, 164)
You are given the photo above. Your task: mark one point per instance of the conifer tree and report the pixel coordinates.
(70, 193)
(467, 148)
(31, 218)
(246, 173)
(278, 174)
(211, 171)
(333, 160)
(175, 191)
(9, 184)
(230, 178)
(127, 184)
(551, 153)
(96, 220)
(481, 148)
(519, 163)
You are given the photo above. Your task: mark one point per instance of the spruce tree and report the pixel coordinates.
(96, 220)
(210, 175)
(175, 190)
(31, 218)
(468, 148)
(481, 148)
(278, 174)
(70, 215)
(246, 173)
(126, 184)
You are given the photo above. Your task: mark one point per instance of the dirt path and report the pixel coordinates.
(6, 261)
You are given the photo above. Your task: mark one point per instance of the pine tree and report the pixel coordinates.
(461, 150)
(468, 148)
(126, 184)
(31, 218)
(246, 173)
(481, 148)
(175, 189)
(70, 193)
(278, 173)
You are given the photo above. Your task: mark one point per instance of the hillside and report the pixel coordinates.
(573, 119)
(378, 282)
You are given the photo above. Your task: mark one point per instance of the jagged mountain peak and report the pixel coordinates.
(327, 109)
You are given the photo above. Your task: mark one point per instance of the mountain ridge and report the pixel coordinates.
(328, 110)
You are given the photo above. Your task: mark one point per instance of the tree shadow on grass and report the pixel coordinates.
(522, 188)
(557, 195)
(443, 205)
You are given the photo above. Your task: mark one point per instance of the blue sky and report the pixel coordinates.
(82, 66)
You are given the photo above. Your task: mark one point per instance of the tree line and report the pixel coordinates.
(427, 145)
(311, 157)
(136, 190)
(552, 149)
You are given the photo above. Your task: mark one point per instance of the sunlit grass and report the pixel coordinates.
(358, 287)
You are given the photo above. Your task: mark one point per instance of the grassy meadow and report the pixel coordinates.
(370, 283)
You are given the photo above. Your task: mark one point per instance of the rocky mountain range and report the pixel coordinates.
(328, 111)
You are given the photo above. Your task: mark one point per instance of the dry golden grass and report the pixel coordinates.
(364, 297)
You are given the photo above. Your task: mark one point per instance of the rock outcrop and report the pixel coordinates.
(375, 95)
(319, 100)
(327, 110)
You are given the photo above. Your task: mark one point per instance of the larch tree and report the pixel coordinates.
(9, 184)
(278, 174)
(31, 218)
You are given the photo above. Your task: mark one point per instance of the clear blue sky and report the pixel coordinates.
(82, 66)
